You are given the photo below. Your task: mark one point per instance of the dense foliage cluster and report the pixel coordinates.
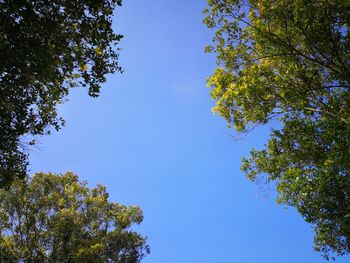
(47, 47)
(290, 61)
(53, 218)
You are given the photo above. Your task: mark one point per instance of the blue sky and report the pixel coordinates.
(152, 140)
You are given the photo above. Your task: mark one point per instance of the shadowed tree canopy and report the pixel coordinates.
(289, 62)
(46, 48)
(56, 218)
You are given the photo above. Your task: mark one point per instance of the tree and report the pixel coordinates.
(46, 48)
(54, 218)
(289, 62)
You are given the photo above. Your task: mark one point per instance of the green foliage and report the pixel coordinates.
(289, 60)
(46, 48)
(54, 218)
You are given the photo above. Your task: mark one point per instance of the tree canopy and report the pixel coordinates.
(56, 218)
(289, 62)
(46, 48)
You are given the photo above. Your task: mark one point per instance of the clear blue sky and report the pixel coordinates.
(152, 140)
